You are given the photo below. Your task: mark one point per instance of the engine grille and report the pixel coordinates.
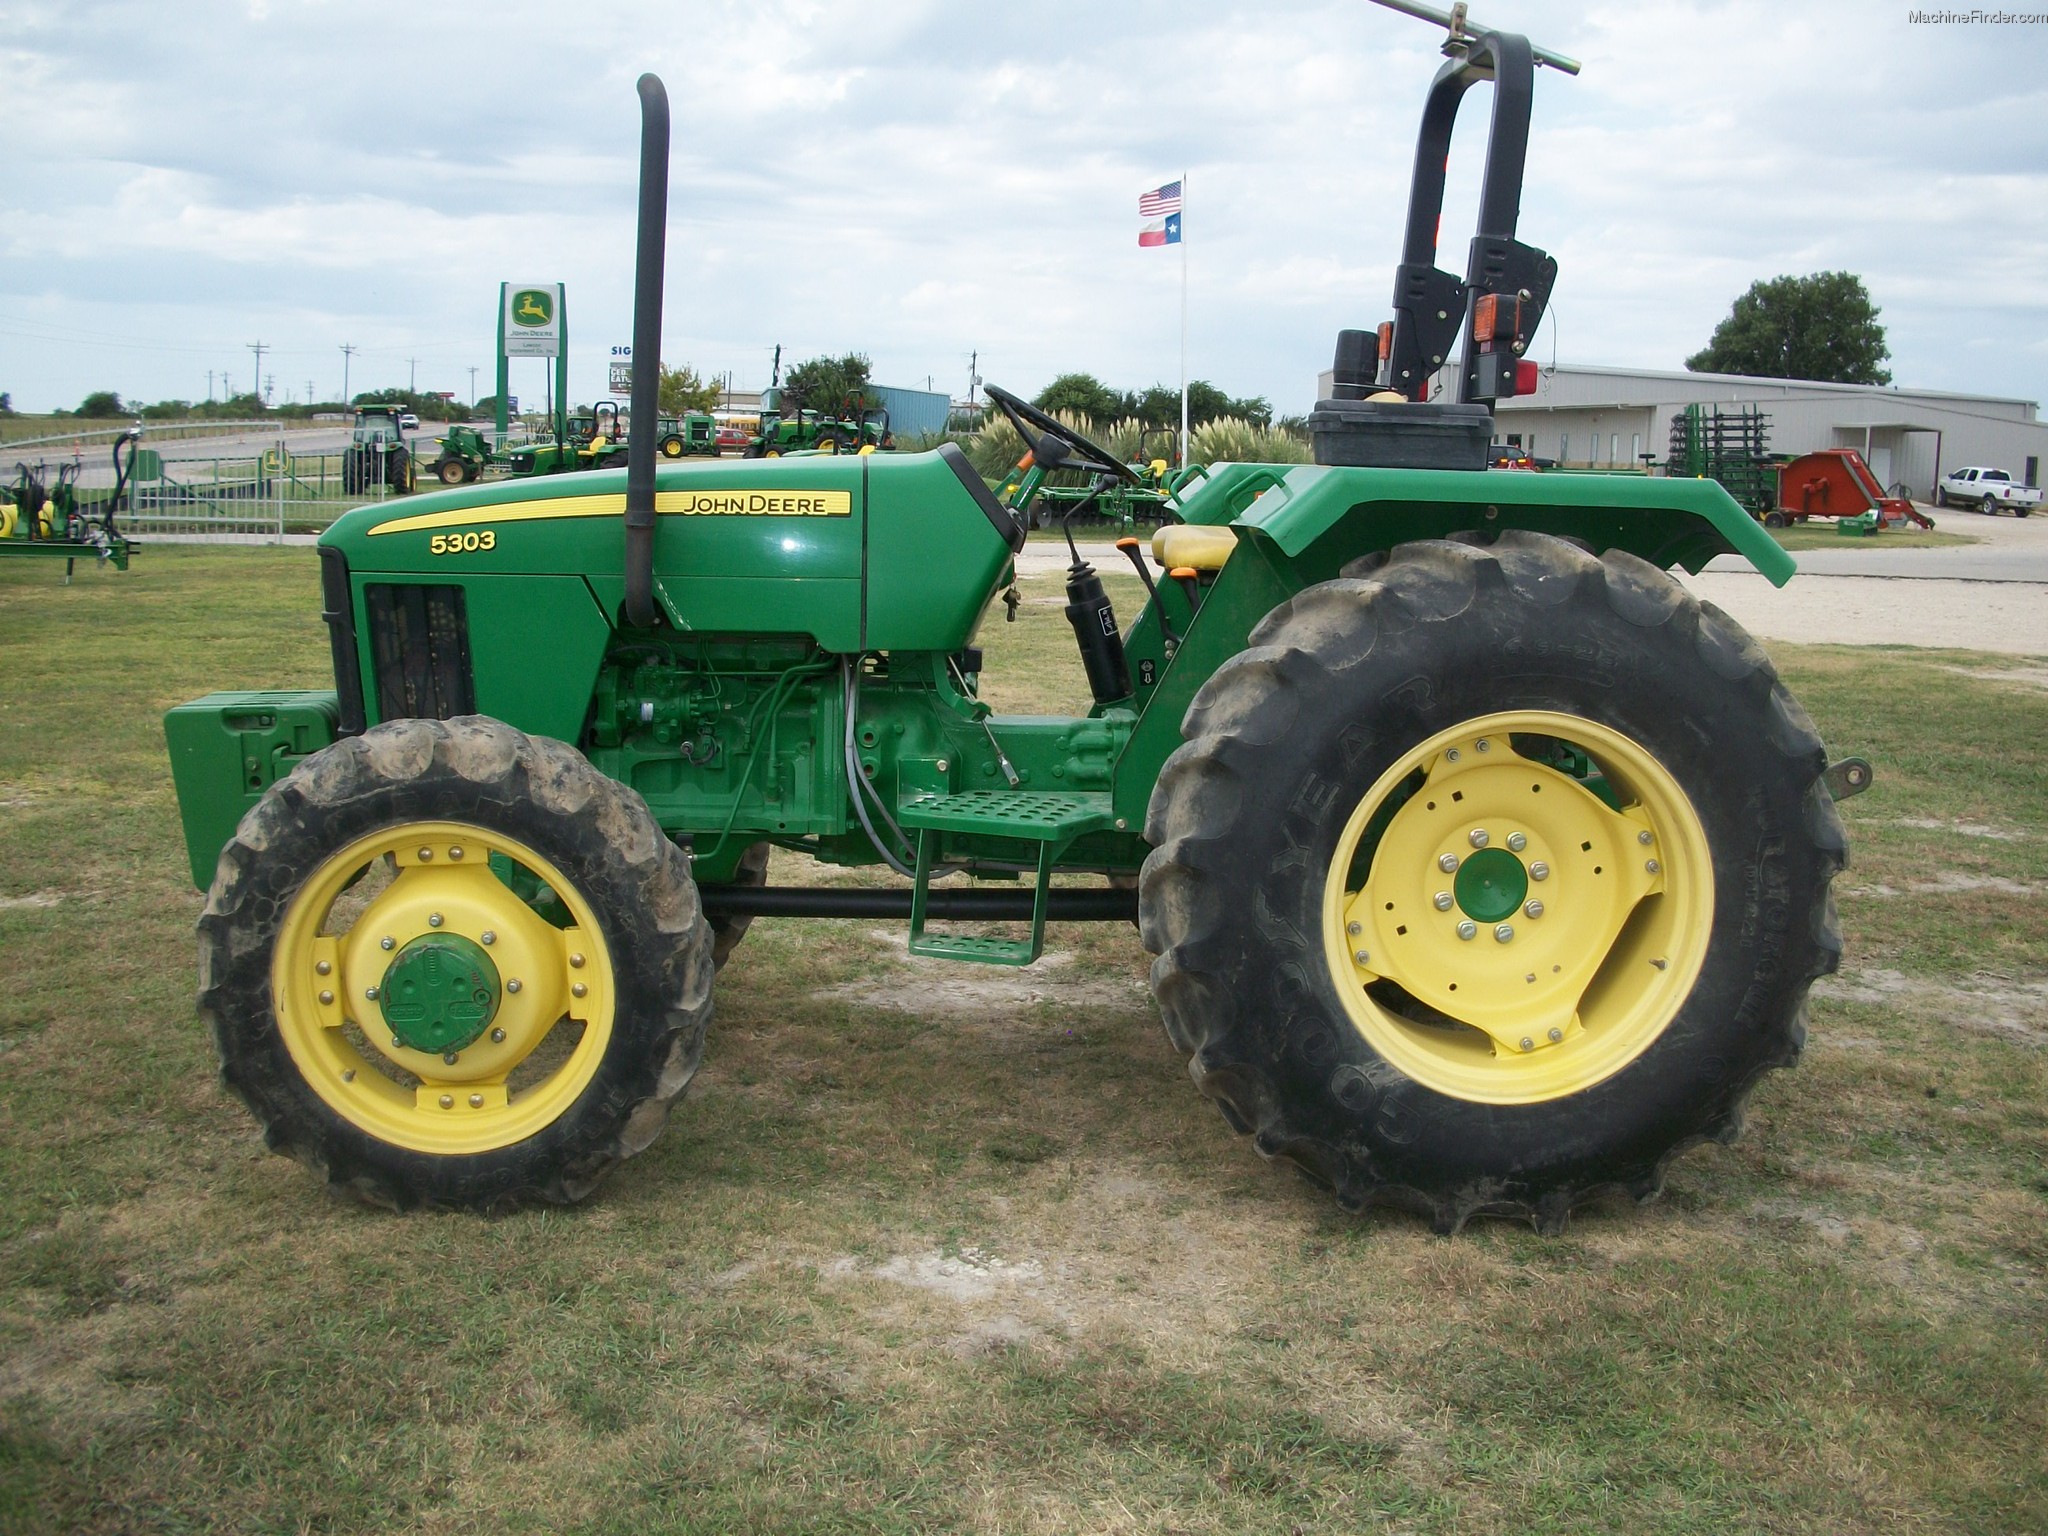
(419, 640)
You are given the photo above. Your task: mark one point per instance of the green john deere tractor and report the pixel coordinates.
(854, 427)
(1484, 867)
(377, 457)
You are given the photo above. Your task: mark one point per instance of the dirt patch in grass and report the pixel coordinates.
(991, 997)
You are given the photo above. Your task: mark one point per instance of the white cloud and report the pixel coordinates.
(919, 181)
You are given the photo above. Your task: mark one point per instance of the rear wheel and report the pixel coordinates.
(452, 471)
(1490, 878)
(446, 963)
(1775, 519)
(1988, 506)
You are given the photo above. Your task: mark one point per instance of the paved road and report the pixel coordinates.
(1990, 596)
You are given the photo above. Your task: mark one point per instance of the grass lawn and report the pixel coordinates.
(947, 1248)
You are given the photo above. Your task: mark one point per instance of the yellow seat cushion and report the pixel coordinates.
(1197, 546)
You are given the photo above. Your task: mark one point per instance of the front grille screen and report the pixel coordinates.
(419, 636)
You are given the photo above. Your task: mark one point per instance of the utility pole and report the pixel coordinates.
(973, 374)
(472, 386)
(269, 387)
(412, 377)
(209, 386)
(348, 350)
(309, 391)
(256, 378)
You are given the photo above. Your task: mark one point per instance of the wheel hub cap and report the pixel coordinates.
(1491, 885)
(440, 993)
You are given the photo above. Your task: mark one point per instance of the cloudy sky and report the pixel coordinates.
(921, 181)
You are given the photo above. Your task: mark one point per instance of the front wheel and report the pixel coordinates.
(1490, 878)
(1940, 497)
(446, 963)
(671, 447)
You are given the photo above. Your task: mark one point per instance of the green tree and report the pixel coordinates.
(1820, 327)
(1085, 395)
(102, 403)
(683, 391)
(829, 384)
(1159, 406)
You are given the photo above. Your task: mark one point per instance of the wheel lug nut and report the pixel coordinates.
(1447, 863)
(1528, 1044)
(489, 937)
(577, 989)
(1517, 842)
(1451, 756)
(325, 967)
(370, 993)
(397, 1044)
(1539, 871)
(1468, 929)
(449, 1058)
(1556, 1035)
(426, 855)
(575, 962)
(476, 1101)
(497, 1037)
(433, 919)
(1504, 933)
(1479, 838)
(1482, 745)
(387, 942)
(447, 1101)
(512, 985)
(455, 852)
(1651, 866)
(326, 997)
(1441, 901)
(1646, 838)
(1532, 908)
(1353, 929)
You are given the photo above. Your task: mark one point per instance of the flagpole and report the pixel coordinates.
(1183, 319)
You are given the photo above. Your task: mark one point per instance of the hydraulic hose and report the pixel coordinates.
(647, 279)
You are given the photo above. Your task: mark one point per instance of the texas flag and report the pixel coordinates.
(1159, 211)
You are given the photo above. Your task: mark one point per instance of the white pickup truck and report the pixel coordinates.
(1987, 490)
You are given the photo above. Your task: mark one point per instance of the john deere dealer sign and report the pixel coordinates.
(532, 321)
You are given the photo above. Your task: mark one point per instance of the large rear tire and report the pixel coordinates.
(1636, 900)
(449, 964)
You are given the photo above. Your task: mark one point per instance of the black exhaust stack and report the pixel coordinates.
(647, 277)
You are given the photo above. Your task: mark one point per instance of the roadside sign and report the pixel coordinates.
(622, 371)
(532, 321)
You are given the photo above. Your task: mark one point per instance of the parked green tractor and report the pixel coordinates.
(1484, 867)
(851, 428)
(377, 457)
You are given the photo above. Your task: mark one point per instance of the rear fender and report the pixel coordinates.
(1321, 517)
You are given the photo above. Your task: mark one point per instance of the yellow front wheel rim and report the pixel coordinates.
(1500, 932)
(553, 1017)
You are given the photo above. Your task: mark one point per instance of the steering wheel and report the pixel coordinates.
(1032, 424)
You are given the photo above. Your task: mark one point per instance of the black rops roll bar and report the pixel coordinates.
(646, 400)
(1431, 306)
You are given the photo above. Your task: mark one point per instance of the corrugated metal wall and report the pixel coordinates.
(913, 412)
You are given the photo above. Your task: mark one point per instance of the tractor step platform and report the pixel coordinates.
(1051, 821)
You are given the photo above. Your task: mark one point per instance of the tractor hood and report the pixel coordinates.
(867, 552)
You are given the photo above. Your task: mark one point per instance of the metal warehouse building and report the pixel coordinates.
(1605, 417)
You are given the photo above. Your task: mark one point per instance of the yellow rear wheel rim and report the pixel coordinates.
(548, 1035)
(1498, 931)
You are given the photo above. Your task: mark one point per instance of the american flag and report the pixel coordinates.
(1161, 200)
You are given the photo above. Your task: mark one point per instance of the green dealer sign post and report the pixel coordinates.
(533, 321)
